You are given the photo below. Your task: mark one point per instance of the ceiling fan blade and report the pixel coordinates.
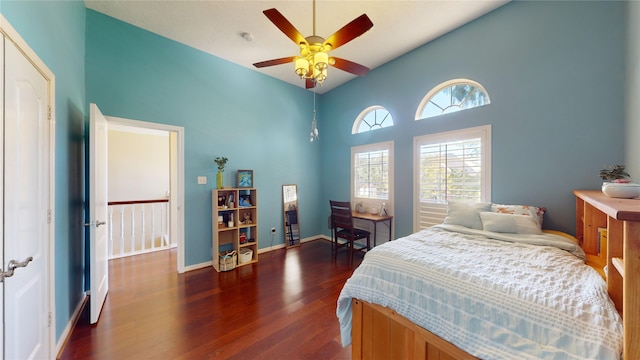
(309, 84)
(274, 62)
(349, 66)
(352, 30)
(285, 26)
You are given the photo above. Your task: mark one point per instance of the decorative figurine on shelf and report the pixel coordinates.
(247, 218)
(221, 201)
(245, 200)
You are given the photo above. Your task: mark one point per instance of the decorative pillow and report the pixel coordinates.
(465, 213)
(537, 212)
(508, 223)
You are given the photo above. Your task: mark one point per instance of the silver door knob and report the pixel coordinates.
(12, 266)
(15, 264)
(97, 223)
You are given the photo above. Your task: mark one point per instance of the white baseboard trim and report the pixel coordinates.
(64, 337)
(260, 251)
(324, 237)
(282, 246)
(198, 266)
(270, 248)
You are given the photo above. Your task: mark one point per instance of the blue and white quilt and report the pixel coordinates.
(495, 296)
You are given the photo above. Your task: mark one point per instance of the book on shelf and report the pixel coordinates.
(602, 241)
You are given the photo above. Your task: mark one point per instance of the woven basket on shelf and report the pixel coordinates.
(228, 260)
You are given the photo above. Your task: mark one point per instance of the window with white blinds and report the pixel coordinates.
(372, 173)
(452, 165)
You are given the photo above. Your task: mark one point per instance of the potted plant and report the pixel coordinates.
(613, 173)
(617, 184)
(221, 161)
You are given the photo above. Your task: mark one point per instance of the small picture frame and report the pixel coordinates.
(245, 178)
(230, 201)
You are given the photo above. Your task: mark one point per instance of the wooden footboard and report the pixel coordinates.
(380, 333)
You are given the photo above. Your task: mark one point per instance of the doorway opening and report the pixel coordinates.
(146, 214)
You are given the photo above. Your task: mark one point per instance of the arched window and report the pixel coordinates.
(451, 96)
(372, 118)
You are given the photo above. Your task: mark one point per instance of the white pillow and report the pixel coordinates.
(466, 213)
(509, 223)
(538, 212)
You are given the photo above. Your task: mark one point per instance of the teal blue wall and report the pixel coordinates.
(555, 74)
(55, 31)
(259, 123)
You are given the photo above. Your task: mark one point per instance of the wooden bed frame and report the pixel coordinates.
(380, 333)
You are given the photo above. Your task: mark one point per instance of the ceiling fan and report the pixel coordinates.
(313, 61)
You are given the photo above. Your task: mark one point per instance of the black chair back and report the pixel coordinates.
(342, 227)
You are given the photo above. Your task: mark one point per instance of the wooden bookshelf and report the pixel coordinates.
(229, 226)
(621, 255)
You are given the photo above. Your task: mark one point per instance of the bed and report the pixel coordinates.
(483, 285)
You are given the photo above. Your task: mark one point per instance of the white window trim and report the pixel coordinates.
(365, 112)
(483, 132)
(366, 202)
(437, 89)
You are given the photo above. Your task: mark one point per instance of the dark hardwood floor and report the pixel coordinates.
(283, 307)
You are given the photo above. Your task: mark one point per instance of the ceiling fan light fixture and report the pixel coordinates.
(320, 75)
(313, 62)
(302, 67)
(321, 60)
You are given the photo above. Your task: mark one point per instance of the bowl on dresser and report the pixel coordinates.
(621, 190)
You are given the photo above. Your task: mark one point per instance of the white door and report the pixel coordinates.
(98, 202)
(27, 208)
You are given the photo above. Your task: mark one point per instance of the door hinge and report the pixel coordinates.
(49, 113)
(48, 216)
(50, 319)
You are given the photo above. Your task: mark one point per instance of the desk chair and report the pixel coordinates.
(342, 224)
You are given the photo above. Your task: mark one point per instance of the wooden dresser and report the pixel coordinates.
(620, 253)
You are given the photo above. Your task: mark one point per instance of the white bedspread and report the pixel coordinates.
(492, 298)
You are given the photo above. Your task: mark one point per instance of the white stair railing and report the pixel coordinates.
(138, 227)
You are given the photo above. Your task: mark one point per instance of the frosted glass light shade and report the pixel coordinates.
(302, 67)
(321, 75)
(321, 60)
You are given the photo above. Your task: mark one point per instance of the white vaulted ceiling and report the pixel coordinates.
(215, 27)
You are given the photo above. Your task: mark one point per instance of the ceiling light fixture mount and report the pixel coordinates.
(246, 36)
(314, 60)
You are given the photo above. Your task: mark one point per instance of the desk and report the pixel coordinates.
(375, 219)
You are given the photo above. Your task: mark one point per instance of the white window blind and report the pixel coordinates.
(451, 171)
(372, 182)
(371, 174)
(450, 166)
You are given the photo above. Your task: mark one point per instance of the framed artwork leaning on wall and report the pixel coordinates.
(245, 178)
